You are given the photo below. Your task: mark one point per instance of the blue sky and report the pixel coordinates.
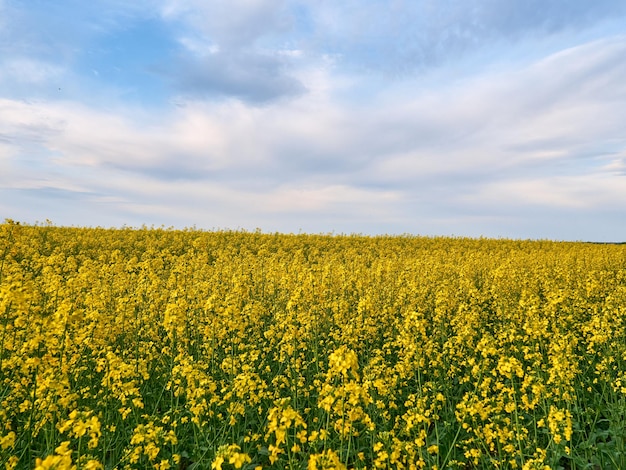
(471, 118)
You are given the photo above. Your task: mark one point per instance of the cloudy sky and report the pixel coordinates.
(496, 118)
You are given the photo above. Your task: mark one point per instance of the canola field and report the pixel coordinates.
(165, 349)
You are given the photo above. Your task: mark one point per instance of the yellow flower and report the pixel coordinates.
(7, 441)
(163, 465)
(93, 465)
(433, 449)
(80, 428)
(12, 462)
(63, 449)
(217, 463)
(238, 459)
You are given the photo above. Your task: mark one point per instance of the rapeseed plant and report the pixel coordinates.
(165, 349)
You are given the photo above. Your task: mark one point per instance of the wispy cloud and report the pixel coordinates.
(234, 24)
(400, 37)
(282, 115)
(223, 54)
(254, 77)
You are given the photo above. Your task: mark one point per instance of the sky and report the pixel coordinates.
(493, 118)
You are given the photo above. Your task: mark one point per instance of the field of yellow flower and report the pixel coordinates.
(166, 349)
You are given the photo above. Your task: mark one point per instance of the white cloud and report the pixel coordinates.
(222, 55)
(30, 71)
(617, 165)
(252, 76)
(199, 46)
(401, 37)
(546, 137)
(581, 192)
(232, 23)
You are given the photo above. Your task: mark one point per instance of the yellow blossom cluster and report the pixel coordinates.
(184, 349)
